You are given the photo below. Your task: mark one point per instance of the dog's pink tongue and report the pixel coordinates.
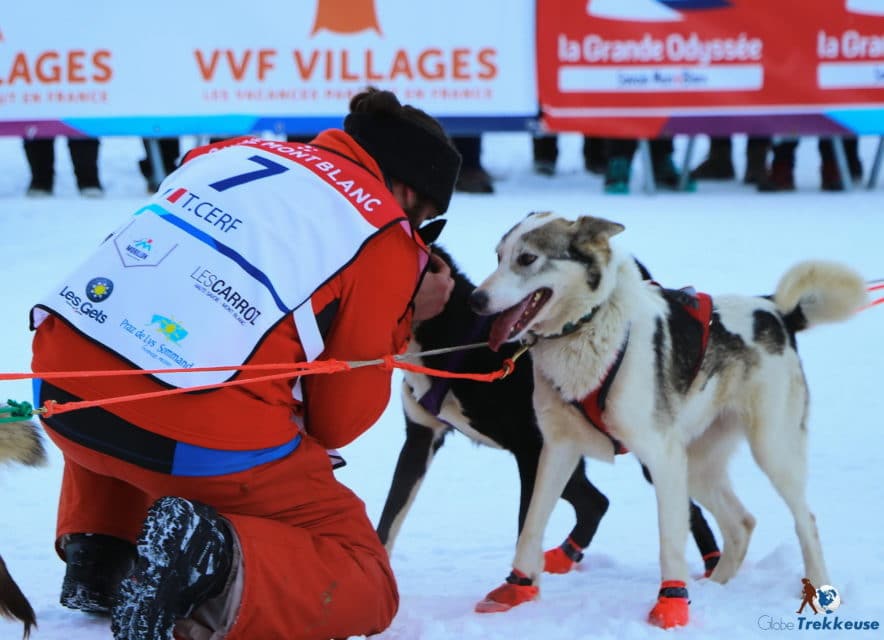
(503, 325)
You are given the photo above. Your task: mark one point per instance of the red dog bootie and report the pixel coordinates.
(671, 609)
(562, 558)
(517, 590)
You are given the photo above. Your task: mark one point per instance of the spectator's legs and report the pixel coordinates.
(666, 175)
(781, 175)
(546, 151)
(473, 178)
(594, 158)
(718, 165)
(830, 178)
(756, 159)
(170, 149)
(618, 171)
(40, 153)
(84, 157)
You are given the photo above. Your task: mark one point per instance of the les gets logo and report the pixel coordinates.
(350, 64)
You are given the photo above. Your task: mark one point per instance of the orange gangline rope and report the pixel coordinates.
(291, 369)
(875, 285)
(52, 407)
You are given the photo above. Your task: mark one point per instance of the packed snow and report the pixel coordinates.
(458, 541)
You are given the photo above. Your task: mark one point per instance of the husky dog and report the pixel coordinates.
(19, 442)
(684, 377)
(498, 414)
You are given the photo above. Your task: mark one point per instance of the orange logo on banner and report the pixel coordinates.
(345, 16)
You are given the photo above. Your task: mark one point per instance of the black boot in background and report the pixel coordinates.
(718, 165)
(40, 153)
(545, 150)
(756, 159)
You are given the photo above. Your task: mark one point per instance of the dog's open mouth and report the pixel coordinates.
(513, 320)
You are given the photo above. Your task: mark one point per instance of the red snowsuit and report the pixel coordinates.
(313, 566)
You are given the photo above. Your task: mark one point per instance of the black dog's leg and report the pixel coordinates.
(590, 505)
(527, 458)
(421, 444)
(702, 532)
(588, 502)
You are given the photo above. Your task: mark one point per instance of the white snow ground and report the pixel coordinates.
(458, 541)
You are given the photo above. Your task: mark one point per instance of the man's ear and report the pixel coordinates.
(411, 197)
(405, 195)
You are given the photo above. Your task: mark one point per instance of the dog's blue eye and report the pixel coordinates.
(525, 259)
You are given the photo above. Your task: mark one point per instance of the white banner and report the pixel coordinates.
(232, 67)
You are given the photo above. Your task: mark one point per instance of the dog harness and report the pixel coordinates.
(432, 399)
(699, 307)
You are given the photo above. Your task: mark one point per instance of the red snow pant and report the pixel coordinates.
(313, 565)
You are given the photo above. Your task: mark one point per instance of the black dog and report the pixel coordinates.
(498, 413)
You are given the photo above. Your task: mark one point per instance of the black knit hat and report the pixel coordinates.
(408, 151)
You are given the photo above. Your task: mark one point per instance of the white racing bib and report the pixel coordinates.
(234, 242)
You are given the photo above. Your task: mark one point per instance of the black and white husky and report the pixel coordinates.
(685, 378)
(498, 414)
(20, 442)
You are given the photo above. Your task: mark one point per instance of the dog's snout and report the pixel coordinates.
(479, 301)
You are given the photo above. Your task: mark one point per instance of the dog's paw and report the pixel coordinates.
(518, 589)
(563, 558)
(710, 561)
(672, 608)
(555, 561)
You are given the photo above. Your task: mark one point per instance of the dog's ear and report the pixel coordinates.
(592, 232)
(431, 231)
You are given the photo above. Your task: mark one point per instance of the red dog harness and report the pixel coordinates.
(699, 307)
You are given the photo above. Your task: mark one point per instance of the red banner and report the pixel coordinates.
(645, 68)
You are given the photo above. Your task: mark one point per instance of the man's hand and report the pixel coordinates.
(434, 291)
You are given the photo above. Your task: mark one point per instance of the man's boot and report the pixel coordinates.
(96, 564)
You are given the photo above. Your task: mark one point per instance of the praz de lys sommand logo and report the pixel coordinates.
(818, 610)
(99, 289)
(170, 329)
(650, 10)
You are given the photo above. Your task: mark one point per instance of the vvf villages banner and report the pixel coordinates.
(228, 67)
(642, 68)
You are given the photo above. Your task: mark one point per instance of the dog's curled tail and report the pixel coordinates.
(13, 603)
(21, 442)
(816, 291)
